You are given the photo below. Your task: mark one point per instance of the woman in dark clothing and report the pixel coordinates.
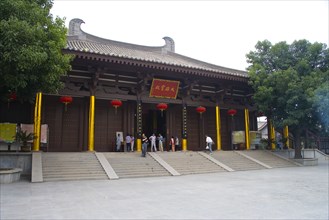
(144, 145)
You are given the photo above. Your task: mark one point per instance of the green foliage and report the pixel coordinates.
(321, 104)
(291, 83)
(23, 137)
(30, 48)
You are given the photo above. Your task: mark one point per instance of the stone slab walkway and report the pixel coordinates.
(284, 193)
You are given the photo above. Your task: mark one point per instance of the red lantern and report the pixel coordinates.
(66, 100)
(200, 109)
(231, 112)
(116, 103)
(162, 107)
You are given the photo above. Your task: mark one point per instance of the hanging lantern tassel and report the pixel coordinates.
(162, 107)
(66, 100)
(200, 110)
(116, 103)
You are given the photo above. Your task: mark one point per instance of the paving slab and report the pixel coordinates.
(283, 193)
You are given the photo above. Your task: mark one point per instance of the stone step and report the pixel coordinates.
(190, 162)
(71, 166)
(74, 174)
(269, 159)
(131, 164)
(72, 178)
(236, 161)
(68, 171)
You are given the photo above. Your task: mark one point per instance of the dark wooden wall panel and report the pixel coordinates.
(210, 126)
(102, 109)
(107, 122)
(49, 117)
(64, 126)
(70, 128)
(192, 129)
(225, 132)
(115, 123)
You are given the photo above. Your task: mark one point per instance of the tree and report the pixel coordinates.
(291, 85)
(31, 44)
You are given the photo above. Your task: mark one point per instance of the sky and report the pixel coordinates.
(218, 32)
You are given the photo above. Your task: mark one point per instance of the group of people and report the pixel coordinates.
(173, 143)
(129, 141)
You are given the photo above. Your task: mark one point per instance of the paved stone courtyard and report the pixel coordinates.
(284, 193)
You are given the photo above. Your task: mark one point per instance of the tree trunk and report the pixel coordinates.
(298, 147)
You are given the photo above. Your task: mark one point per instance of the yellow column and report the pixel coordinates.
(184, 144)
(246, 123)
(139, 145)
(272, 136)
(218, 129)
(286, 135)
(37, 122)
(91, 124)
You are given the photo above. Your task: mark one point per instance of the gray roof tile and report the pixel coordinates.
(83, 42)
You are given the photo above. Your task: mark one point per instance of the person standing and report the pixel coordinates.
(176, 143)
(153, 145)
(209, 143)
(160, 139)
(132, 143)
(118, 143)
(128, 142)
(172, 143)
(144, 145)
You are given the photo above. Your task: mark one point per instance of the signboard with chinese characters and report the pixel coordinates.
(164, 88)
(238, 137)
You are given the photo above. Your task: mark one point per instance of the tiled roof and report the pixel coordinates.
(80, 41)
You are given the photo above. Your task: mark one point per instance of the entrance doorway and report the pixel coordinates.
(154, 122)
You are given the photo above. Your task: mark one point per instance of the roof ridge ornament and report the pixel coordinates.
(75, 27)
(170, 45)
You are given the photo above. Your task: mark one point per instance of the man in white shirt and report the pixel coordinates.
(153, 145)
(209, 143)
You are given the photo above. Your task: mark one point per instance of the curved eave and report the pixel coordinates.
(112, 58)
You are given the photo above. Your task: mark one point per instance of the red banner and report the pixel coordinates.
(164, 88)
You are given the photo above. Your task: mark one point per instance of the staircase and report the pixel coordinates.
(189, 162)
(71, 166)
(268, 158)
(87, 166)
(236, 161)
(131, 164)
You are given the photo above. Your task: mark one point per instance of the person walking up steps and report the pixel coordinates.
(209, 143)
